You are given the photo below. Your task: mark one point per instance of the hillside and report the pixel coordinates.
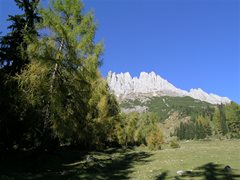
(164, 106)
(193, 114)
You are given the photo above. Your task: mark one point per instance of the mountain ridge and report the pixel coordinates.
(150, 84)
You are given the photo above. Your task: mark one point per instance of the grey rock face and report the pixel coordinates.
(150, 84)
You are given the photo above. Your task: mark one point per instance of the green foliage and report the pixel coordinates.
(203, 128)
(12, 46)
(224, 121)
(185, 131)
(216, 121)
(148, 122)
(52, 81)
(219, 120)
(16, 117)
(131, 103)
(126, 129)
(198, 129)
(63, 81)
(232, 114)
(138, 129)
(103, 116)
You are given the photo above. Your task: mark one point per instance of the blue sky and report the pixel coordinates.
(191, 43)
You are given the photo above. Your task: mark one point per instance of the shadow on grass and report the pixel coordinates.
(208, 171)
(120, 168)
(111, 164)
(162, 176)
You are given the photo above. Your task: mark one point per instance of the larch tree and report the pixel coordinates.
(63, 79)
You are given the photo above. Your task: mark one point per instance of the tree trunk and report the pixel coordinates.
(46, 125)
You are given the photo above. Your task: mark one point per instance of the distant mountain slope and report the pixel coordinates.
(152, 85)
(164, 106)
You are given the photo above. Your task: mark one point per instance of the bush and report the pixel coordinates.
(174, 144)
(154, 140)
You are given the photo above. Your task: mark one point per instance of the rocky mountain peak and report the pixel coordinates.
(150, 84)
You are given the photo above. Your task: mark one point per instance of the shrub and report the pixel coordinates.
(174, 144)
(154, 140)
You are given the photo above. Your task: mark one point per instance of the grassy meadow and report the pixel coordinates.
(135, 163)
(190, 155)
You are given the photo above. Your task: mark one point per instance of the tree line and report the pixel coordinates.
(223, 121)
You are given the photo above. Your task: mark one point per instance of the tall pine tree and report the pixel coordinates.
(13, 59)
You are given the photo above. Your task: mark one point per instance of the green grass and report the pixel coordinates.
(190, 155)
(136, 163)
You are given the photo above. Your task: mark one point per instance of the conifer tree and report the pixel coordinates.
(204, 126)
(219, 121)
(224, 126)
(12, 46)
(13, 59)
(232, 112)
(63, 73)
(216, 121)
